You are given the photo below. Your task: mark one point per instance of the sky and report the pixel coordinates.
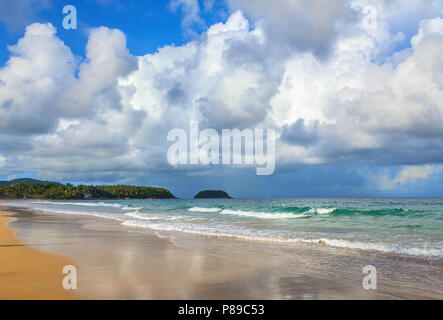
(353, 89)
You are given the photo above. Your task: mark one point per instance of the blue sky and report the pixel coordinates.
(353, 90)
(148, 25)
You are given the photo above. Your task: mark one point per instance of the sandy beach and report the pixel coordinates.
(119, 262)
(26, 272)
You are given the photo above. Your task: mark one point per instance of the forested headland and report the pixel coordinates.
(55, 191)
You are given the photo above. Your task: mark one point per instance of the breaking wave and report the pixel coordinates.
(262, 215)
(200, 209)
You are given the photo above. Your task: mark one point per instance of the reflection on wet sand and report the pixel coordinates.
(116, 262)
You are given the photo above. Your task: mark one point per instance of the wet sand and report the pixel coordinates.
(28, 273)
(120, 262)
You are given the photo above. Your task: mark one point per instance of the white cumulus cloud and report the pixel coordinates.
(332, 83)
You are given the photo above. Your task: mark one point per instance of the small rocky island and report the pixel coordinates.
(212, 194)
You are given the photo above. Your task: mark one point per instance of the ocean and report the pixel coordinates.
(406, 226)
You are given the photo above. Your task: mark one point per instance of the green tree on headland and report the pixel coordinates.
(55, 191)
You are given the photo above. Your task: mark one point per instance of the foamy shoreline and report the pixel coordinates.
(130, 216)
(102, 248)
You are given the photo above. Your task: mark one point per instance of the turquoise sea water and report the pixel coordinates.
(411, 227)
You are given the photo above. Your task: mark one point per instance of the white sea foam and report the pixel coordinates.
(321, 210)
(430, 252)
(85, 204)
(131, 208)
(324, 210)
(89, 204)
(84, 213)
(200, 209)
(374, 246)
(150, 217)
(262, 215)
